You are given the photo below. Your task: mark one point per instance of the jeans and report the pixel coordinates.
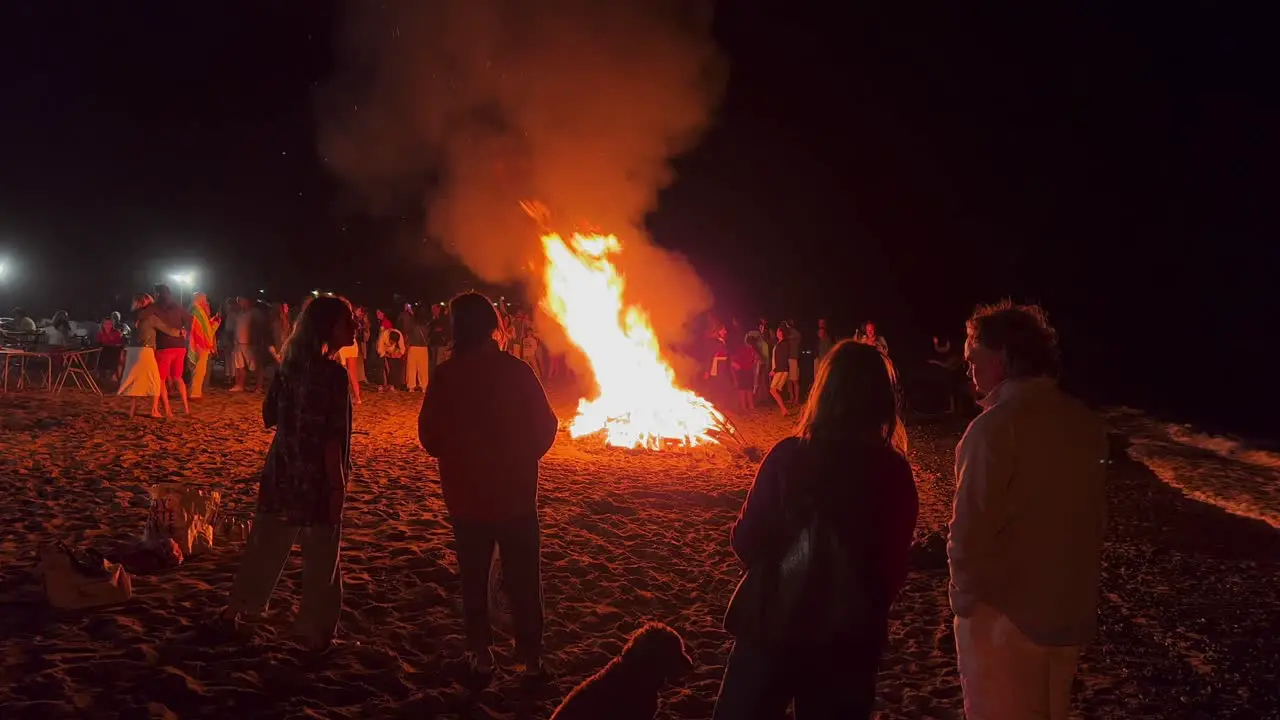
(520, 544)
(434, 357)
(759, 685)
(393, 372)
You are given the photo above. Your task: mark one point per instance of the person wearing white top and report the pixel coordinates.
(1025, 540)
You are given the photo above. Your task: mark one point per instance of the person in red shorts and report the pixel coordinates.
(171, 352)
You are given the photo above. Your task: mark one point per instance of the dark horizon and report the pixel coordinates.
(1107, 163)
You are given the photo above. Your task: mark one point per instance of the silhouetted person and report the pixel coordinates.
(486, 418)
(303, 484)
(437, 337)
(171, 351)
(843, 471)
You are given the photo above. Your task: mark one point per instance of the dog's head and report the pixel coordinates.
(659, 650)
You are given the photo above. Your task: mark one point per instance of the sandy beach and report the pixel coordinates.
(1187, 615)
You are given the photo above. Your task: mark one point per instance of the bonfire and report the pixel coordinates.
(637, 402)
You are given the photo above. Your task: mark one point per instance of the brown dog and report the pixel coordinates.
(627, 688)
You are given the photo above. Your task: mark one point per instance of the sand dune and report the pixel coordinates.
(1188, 600)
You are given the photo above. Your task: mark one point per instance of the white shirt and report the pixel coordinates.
(1030, 510)
(53, 337)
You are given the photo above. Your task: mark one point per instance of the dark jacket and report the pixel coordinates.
(486, 418)
(872, 503)
(172, 315)
(413, 332)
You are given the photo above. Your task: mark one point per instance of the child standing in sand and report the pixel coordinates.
(304, 481)
(141, 375)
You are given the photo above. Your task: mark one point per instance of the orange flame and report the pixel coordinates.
(639, 404)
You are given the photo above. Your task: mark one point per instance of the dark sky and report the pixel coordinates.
(1115, 164)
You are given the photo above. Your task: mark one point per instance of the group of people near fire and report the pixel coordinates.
(823, 535)
(165, 349)
(765, 361)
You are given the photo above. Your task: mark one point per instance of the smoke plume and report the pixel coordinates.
(478, 104)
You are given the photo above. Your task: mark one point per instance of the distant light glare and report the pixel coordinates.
(186, 279)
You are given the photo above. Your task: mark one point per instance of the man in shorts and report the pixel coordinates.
(781, 368)
(245, 355)
(171, 350)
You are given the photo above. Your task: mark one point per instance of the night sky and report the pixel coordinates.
(1116, 165)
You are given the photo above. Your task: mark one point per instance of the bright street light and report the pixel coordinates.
(185, 281)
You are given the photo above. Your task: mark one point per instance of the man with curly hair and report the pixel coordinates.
(1026, 532)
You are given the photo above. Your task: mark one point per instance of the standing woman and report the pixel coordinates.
(304, 480)
(844, 471)
(203, 331)
(141, 371)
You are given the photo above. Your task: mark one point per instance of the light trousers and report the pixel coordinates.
(416, 368)
(1005, 676)
(199, 372)
(265, 553)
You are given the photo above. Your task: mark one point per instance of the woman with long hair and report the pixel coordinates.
(303, 484)
(141, 371)
(845, 471)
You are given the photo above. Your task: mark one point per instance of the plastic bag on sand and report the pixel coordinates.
(73, 584)
(499, 610)
(183, 513)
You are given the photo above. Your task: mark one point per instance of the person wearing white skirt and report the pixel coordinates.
(141, 376)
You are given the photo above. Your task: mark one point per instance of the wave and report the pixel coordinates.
(1251, 452)
(1238, 475)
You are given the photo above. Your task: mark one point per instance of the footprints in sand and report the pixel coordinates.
(627, 537)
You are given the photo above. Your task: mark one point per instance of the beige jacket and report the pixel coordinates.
(1030, 509)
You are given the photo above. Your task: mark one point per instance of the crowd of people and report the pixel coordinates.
(163, 349)
(824, 534)
(764, 364)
